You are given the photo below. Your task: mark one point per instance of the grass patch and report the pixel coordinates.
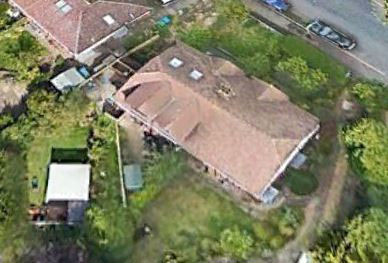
(301, 182)
(188, 218)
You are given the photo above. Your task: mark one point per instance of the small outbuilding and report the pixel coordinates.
(67, 193)
(68, 79)
(133, 177)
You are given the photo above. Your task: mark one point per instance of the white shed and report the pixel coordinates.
(68, 182)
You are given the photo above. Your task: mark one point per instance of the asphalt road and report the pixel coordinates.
(355, 18)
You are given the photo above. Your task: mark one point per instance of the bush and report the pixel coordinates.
(296, 47)
(276, 242)
(264, 231)
(236, 243)
(307, 78)
(301, 182)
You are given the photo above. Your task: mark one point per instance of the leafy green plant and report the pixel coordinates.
(307, 78)
(236, 243)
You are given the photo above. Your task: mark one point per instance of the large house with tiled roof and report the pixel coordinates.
(77, 25)
(241, 129)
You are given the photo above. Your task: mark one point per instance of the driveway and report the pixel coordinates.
(354, 17)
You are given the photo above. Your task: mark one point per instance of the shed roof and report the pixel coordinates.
(133, 177)
(68, 182)
(68, 79)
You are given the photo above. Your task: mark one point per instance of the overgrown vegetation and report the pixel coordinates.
(20, 53)
(300, 182)
(363, 239)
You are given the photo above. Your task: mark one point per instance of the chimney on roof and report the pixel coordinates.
(196, 74)
(225, 90)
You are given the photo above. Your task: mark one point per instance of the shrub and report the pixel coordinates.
(301, 182)
(276, 242)
(236, 243)
(307, 78)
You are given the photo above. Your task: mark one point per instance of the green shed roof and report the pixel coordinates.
(133, 177)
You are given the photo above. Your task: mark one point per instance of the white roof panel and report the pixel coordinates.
(68, 182)
(68, 79)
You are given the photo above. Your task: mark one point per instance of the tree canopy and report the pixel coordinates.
(367, 142)
(236, 243)
(20, 53)
(364, 239)
(306, 77)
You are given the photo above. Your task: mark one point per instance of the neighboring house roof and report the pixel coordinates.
(133, 177)
(68, 182)
(67, 79)
(77, 24)
(243, 127)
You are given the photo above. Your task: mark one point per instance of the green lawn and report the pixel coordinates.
(301, 182)
(188, 215)
(38, 155)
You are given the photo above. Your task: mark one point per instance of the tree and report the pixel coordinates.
(367, 142)
(236, 243)
(364, 239)
(372, 96)
(234, 10)
(307, 78)
(20, 53)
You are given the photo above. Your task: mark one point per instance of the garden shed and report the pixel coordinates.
(133, 177)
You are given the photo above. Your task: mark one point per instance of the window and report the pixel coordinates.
(196, 75)
(109, 20)
(63, 6)
(175, 62)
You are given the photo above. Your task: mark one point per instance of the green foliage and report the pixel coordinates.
(197, 36)
(14, 228)
(363, 239)
(5, 120)
(374, 97)
(296, 47)
(157, 173)
(4, 18)
(236, 243)
(234, 10)
(20, 53)
(307, 78)
(367, 142)
(301, 182)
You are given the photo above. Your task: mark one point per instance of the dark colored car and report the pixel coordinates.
(336, 37)
(279, 5)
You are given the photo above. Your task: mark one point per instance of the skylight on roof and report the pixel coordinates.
(109, 20)
(175, 62)
(196, 75)
(66, 9)
(63, 6)
(60, 4)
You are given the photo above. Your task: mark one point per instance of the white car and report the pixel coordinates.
(336, 37)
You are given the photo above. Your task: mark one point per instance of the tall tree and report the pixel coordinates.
(367, 142)
(364, 239)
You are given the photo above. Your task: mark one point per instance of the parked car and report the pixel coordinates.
(336, 37)
(279, 5)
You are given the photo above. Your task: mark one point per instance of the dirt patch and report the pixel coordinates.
(131, 141)
(11, 95)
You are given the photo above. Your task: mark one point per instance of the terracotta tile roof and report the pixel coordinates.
(243, 127)
(83, 24)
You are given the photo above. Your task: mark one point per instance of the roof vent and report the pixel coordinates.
(109, 20)
(132, 16)
(196, 75)
(63, 6)
(175, 62)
